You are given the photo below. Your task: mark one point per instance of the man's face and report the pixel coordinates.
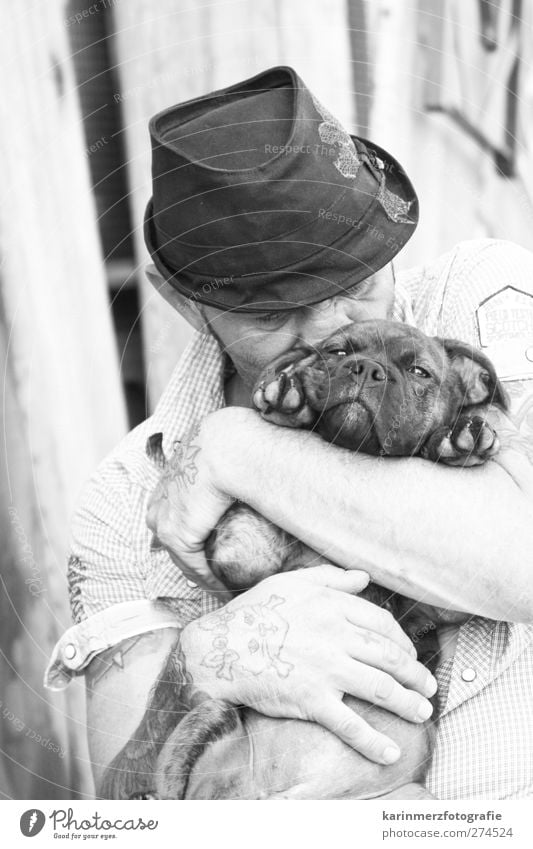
(252, 340)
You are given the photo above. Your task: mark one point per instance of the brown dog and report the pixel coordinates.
(385, 389)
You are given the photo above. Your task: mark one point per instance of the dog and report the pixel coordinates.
(388, 390)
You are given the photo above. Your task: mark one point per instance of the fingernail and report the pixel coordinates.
(391, 754)
(430, 686)
(425, 710)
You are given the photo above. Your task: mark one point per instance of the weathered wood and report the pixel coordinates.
(174, 50)
(63, 407)
(417, 61)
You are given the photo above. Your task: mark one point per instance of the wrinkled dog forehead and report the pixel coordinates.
(389, 338)
(415, 347)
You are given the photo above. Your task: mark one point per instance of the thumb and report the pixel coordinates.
(336, 578)
(336, 716)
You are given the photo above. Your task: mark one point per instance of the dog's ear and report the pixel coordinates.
(477, 374)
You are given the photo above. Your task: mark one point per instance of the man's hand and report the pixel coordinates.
(295, 644)
(187, 505)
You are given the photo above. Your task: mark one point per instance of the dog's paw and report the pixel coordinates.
(280, 398)
(470, 442)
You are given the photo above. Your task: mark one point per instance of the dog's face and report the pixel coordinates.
(382, 387)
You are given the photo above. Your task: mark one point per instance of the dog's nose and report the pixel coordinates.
(368, 372)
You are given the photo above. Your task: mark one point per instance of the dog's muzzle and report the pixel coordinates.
(350, 381)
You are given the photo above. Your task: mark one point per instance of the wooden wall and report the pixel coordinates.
(431, 54)
(62, 400)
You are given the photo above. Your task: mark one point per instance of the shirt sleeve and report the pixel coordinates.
(105, 576)
(119, 584)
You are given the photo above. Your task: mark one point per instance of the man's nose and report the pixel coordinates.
(365, 371)
(324, 319)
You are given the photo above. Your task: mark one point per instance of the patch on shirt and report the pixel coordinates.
(505, 325)
(77, 575)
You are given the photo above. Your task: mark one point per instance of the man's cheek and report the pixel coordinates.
(263, 350)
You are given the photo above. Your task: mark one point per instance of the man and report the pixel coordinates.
(270, 225)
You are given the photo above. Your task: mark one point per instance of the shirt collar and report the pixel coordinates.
(485, 649)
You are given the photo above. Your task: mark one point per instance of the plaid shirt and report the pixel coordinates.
(119, 587)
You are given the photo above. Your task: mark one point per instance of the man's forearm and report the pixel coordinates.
(131, 710)
(460, 539)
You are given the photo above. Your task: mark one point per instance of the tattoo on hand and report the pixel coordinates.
(265, 631)
(182, 464)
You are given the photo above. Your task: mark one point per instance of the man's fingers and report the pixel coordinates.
(198, 572)
(335, 578)
(365, 614)
(381, 653)
(380, 688)
(351, 729)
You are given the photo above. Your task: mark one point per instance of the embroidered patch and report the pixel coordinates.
(396, 208)
(76, 576)
(348, 162)
(505, 326)
(332, 132)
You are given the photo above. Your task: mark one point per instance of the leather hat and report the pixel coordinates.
(262, 200)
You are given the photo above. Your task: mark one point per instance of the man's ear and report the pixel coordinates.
(478, 376)
(186, 307)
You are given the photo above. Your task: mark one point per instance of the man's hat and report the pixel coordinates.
(262, 200)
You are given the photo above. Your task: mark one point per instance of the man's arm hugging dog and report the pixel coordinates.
(378, 387)
(322, 430)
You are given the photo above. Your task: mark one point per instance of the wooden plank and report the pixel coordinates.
(63, 405)
(462, 195)
(175, 50)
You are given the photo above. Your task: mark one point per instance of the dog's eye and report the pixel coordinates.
(419, 371)
(337, 352)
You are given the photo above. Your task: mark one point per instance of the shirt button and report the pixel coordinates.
(190, 583)
(70, 651)
(529, 354)
(468, 674)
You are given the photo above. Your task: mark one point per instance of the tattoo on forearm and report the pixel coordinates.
(266, 632)
(113, 658)
(130, 773)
